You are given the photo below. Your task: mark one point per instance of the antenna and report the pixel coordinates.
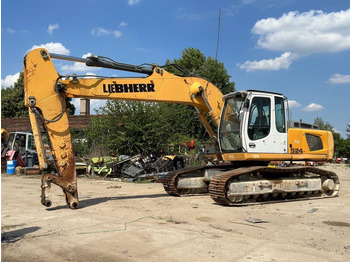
(217, 42)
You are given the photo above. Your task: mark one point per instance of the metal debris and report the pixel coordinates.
(256, 220)
(114, 187)
(135, 168)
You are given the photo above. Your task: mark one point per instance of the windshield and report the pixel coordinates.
(10, 140)
(229, 133)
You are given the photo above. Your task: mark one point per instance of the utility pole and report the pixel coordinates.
(217, 43)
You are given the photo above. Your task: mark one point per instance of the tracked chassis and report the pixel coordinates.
(253, 185)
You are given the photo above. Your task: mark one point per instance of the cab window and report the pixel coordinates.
(259, 118)
(31, 144)
(280, 116)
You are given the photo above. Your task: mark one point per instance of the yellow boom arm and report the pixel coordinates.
(46, 90)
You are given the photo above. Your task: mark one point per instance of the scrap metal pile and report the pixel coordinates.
(135, 168)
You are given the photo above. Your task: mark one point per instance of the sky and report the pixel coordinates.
(300, 48)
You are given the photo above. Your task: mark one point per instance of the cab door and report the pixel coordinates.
(265, 124)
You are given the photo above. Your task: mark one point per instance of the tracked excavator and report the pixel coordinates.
(253, 129)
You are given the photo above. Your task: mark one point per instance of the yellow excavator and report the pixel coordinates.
(253, 129)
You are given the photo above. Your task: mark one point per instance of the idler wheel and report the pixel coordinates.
(328, 185)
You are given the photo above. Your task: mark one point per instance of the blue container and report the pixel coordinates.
(11, 167)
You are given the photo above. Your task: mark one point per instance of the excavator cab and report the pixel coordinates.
(253, 121)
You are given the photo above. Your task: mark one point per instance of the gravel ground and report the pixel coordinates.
(120, 221)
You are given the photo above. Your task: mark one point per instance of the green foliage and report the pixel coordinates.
(322, 125)
(182, 120)
(195, 62)
(70, 108)
(12, 101)
(80, 147)
(345, 146)
(129, 128)
(342, 146)
(192, 60)
(217, 74)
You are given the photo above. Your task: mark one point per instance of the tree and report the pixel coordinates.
(130, 128)
(347, 142)
(12, 100)
(70, 108)
(322, 125)
(184, 117)
(194, 61)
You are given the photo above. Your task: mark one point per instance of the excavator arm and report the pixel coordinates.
(46, 90)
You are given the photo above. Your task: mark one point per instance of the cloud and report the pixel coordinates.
(123, 24)
(293, 104)
(141, 49)
(102, 32)
(133, 2)
(57, 48)
(96, 104)
(313, 107)
(336, 131)
(305, 33)
(10, 30)
(247, 2)
(282, 62)
(76, 103)
(9, 80)
(13, 31)
(51, 28)
(339, 79)
(182, 13)
(77, 67)
(193, 16)
(90, 74)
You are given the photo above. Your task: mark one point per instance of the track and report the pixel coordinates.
(256, 184)
(170, 181)
(302, 182)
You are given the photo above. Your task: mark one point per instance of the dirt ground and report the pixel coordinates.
(120, 221)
